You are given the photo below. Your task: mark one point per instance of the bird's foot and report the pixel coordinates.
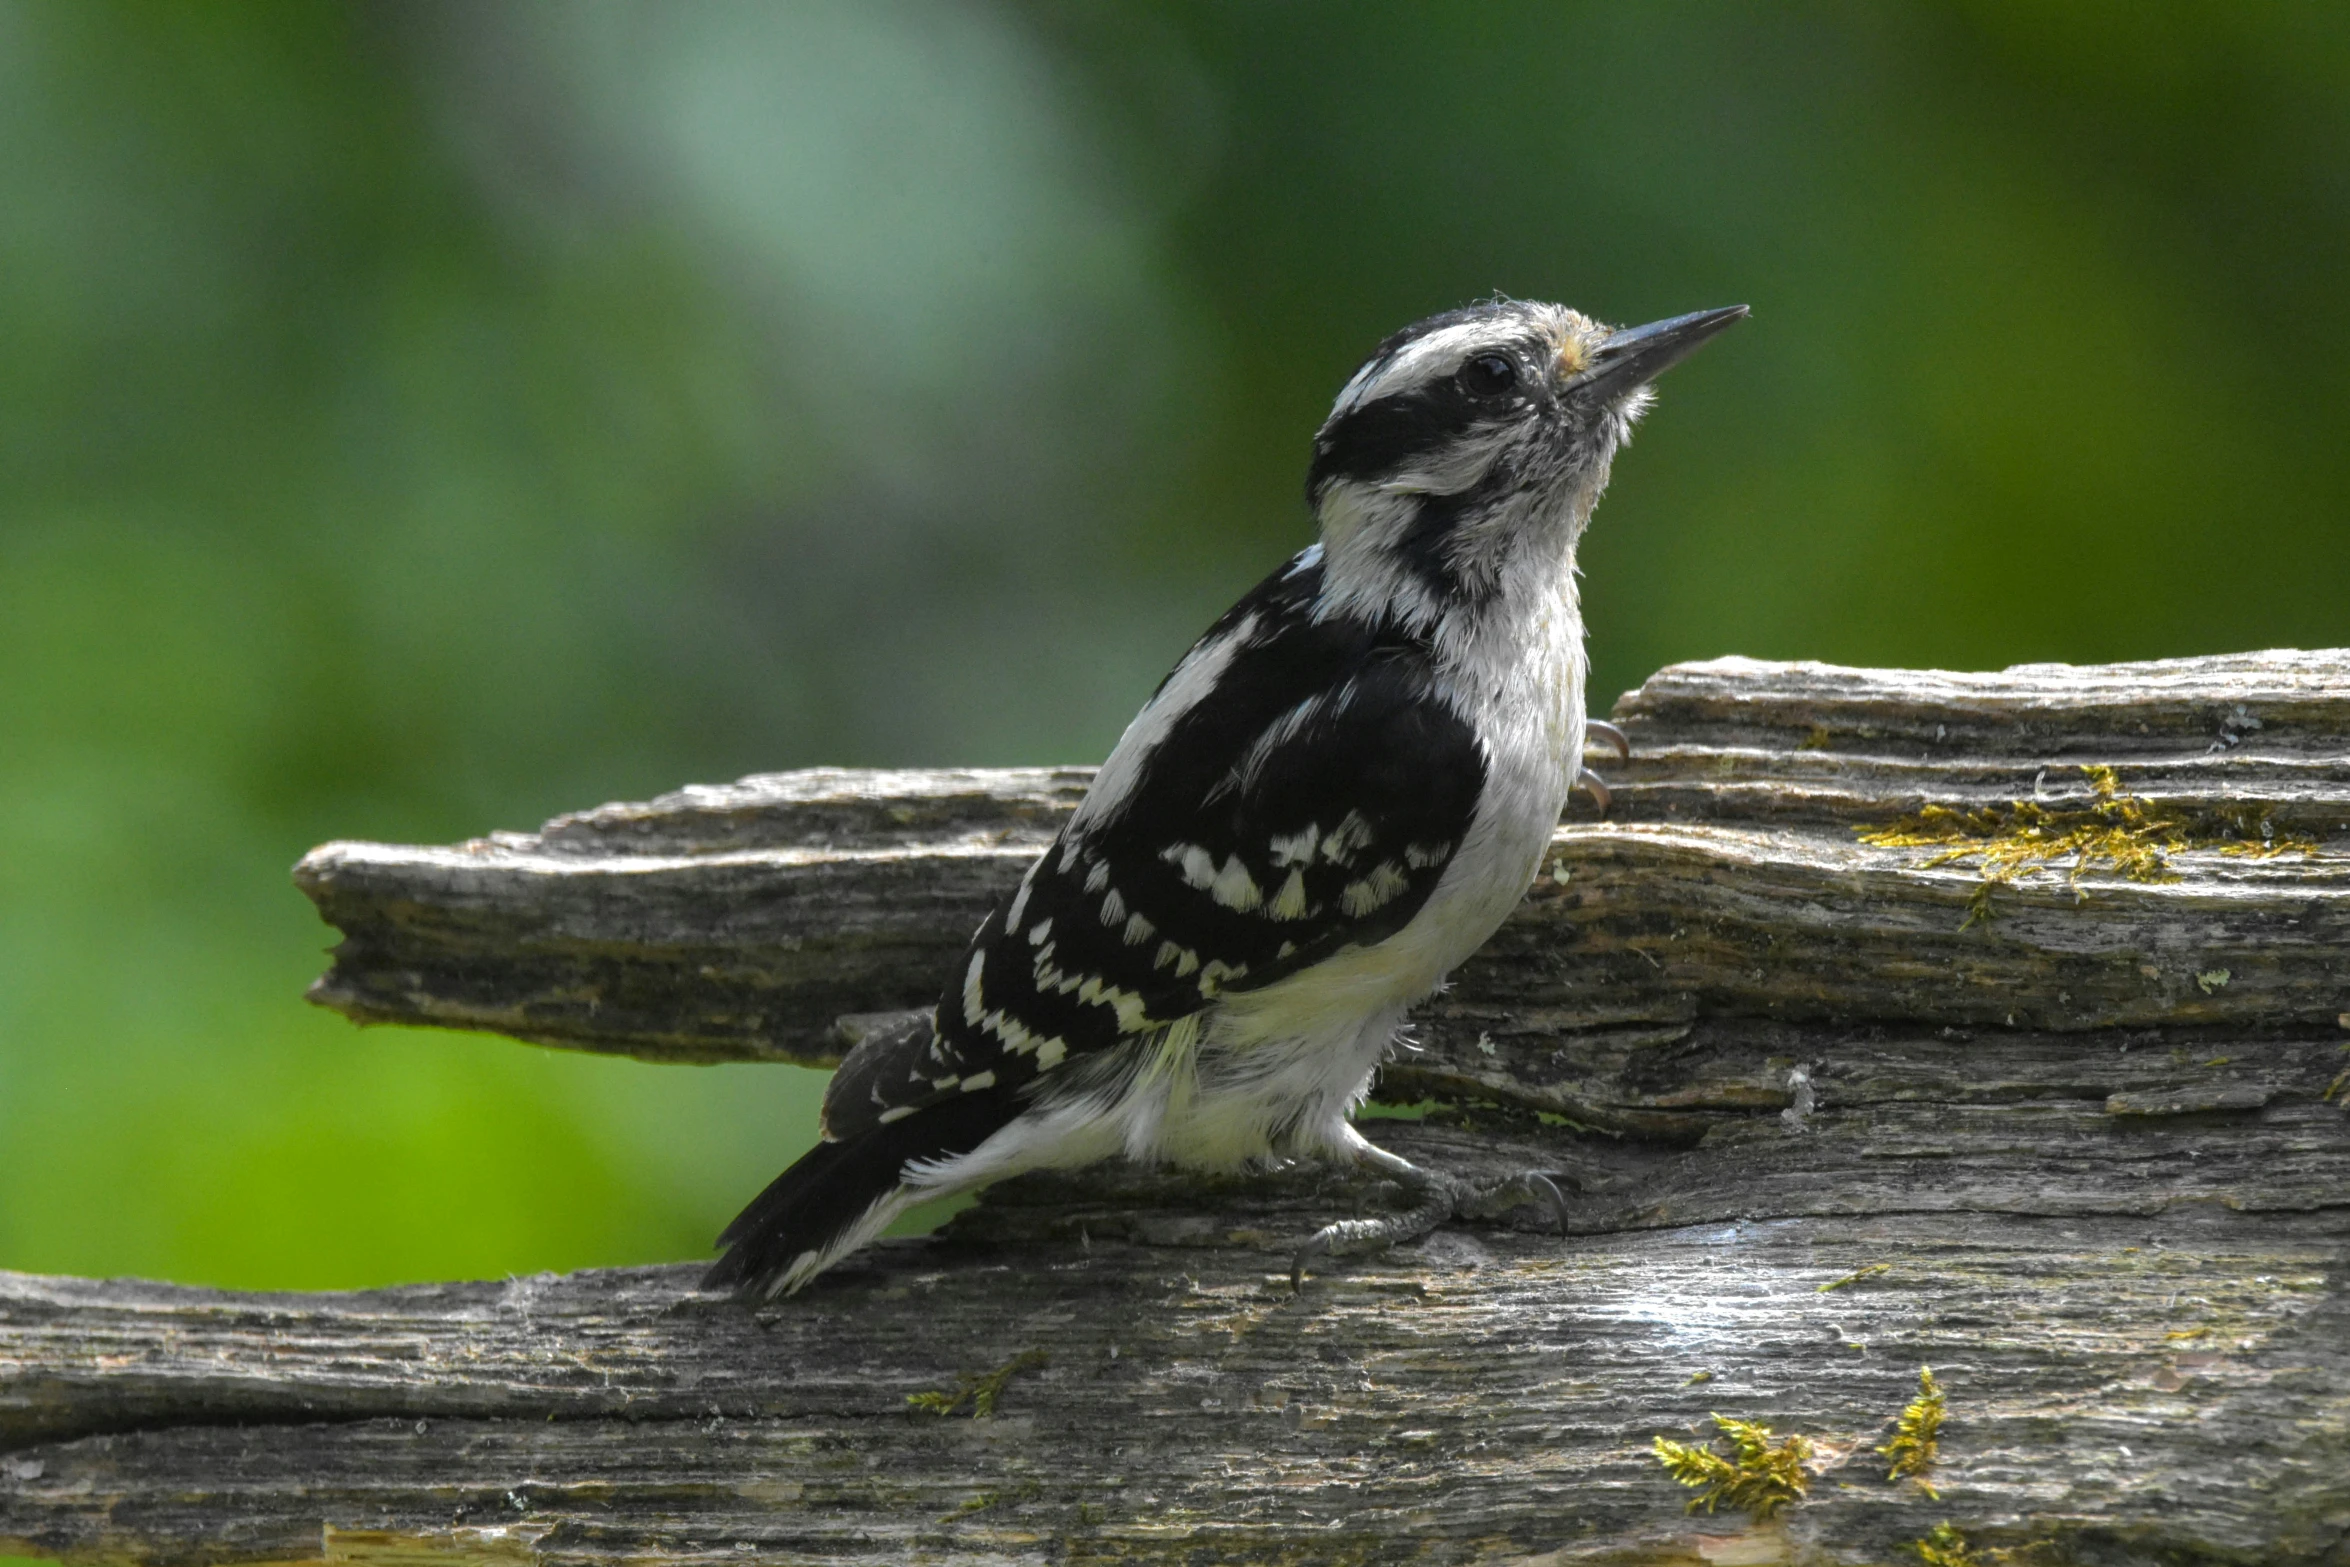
(1437, 1199)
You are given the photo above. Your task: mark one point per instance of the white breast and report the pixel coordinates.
(1312, 1040)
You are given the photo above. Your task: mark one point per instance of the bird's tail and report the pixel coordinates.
(839, 1195)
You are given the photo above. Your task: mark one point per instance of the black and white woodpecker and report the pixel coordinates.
(1336, 797)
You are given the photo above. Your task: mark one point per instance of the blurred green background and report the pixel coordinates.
(419, 419)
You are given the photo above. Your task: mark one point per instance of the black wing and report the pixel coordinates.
(1306, 800)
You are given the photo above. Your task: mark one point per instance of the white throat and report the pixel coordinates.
(1511, 645)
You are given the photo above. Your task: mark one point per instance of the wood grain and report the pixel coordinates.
(2090, 1162)
(741, 923)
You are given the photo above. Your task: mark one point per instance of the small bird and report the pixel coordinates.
(1336, 796)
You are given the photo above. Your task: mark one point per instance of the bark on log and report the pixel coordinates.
(2090, 1161)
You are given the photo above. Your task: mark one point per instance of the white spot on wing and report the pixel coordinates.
(1113, 907)
(1139, 930)
(1216, 971)
(1350, 837)
(1235, 888)
(1290, 902)
(1197, 864)
(1297, 848)
(974, 1006)
(1020, 898)
(978, 1080)
(1373, 891)
(1098, 992)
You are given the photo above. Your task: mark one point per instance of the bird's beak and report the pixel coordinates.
(1633, 356)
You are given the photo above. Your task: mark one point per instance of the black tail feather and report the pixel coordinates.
(830, 1188)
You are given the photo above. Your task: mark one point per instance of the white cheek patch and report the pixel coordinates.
(1465, 465)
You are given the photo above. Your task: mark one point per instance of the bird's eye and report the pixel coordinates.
(1489, 375)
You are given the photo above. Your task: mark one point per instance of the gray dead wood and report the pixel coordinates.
(2089, 1160)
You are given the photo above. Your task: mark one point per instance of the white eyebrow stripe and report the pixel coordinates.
(1424, 359)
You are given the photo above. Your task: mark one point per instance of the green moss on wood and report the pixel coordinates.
(2120, 832)
(979, 1389)
(1759, 1474)
(1916, 1435)
(1944, 1546)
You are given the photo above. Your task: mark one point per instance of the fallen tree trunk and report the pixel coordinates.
(1838, 1112)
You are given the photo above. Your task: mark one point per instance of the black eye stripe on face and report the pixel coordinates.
(1379, 436)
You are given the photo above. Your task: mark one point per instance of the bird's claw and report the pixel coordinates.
(1593, 785)
(1599, 731)
(1348, 1236)
(1540, 1186)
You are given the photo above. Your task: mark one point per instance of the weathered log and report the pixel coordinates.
(2088, 1159)
(740, 923)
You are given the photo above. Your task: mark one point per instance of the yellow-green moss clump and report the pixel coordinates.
(1916, 1435)
(1944, 1546)
(1854, 1277)
(2122, 832)
(979, 1389)
(1759, 1475)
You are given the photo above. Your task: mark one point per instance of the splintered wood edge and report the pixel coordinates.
(1788, 807)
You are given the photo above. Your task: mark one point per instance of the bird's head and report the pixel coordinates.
(1475, 443)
